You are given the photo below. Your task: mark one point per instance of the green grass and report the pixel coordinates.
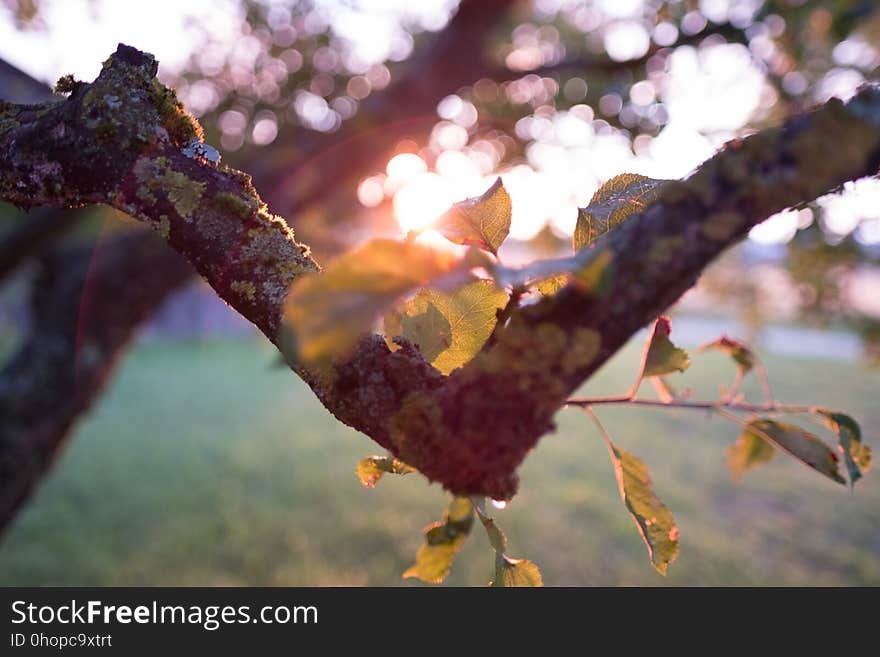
(205, 465)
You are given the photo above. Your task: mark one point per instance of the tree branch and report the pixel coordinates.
(471, 429)
(86, 304)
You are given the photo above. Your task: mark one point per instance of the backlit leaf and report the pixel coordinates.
(451, 327)
(749, 451)
(654, 520)
(856, 454)
(443, 540)
(424, 325)
(741, 354)
(371, 469)
(328, 312)
(510, 572)
(496, 535)
(614, 201)
(550, 286)
(483, 221)
(800, 444)
(663, 357)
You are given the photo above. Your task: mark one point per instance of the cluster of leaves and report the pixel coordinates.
(444, 539)
(439, 303)
(436, 300)
(762, 435)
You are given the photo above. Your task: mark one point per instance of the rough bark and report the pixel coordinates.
(86, 304)
(470, 430)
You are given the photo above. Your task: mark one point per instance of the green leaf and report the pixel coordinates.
(510, 572)
(451, 327)
(614, 201)
(661, 356)
(550, 286)
(425, 326)
(590, 270)
(749, 451)
(371, 469)
(392, 325)
(856, 454)
(443, 540)
(654, 520)
(329, 312)
(741, 354)
(496, 536)
(800, 444)
(483, 221)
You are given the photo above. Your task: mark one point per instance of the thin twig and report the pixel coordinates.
(504, 314)
(600, 429)
(761, 371)
(678, 403)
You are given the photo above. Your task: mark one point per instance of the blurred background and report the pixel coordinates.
(194, 459)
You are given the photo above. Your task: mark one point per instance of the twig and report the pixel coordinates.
(761, 371)
(721, 405)
(504, 314)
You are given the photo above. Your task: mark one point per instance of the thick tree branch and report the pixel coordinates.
(86, 304)
(469, 430)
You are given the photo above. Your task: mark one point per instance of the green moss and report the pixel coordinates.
(67, 84)
(182, 126)
(245, 289)
(184, 194)
(227, 204)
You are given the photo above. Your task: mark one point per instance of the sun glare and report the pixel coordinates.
(421, 201)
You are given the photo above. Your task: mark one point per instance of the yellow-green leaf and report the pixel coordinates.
(740, 353)
(856, 454)
(451, 327)
(483, 221)
(510, 572)
(425, 325)
(614, 201)
(371, 469)
(329, 312)
(663, 357)
(550, 286)
(800, 444)
(749, 451)
(443, 540)
(497, 538)
(392, 326)
(654, 520)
